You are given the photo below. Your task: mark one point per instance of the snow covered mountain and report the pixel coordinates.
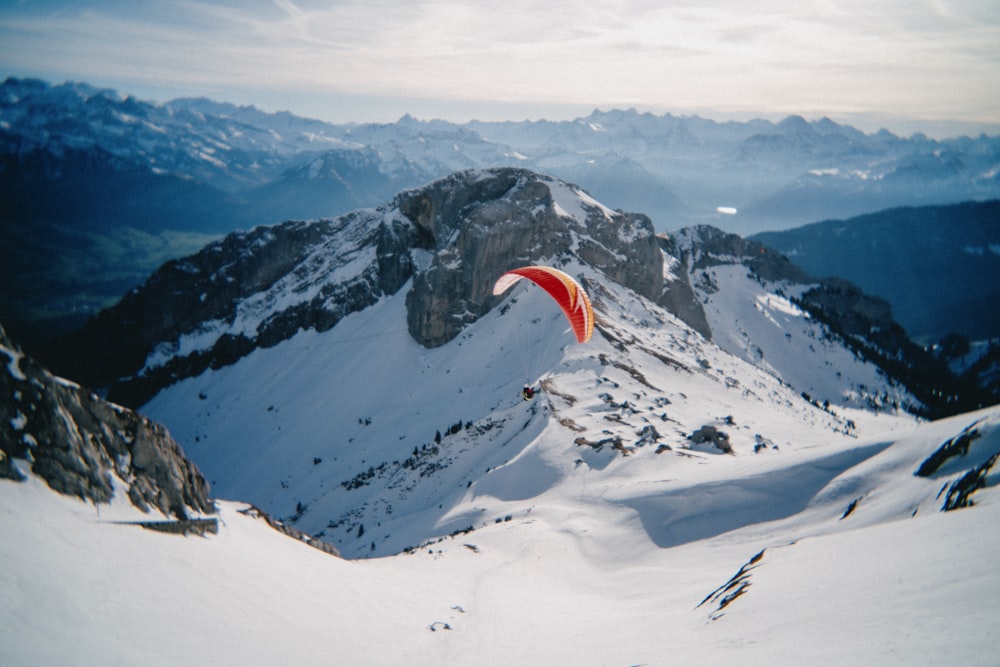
(341, 336)
(706, 163)
(715, 476)
(451, 238)
(98, 179)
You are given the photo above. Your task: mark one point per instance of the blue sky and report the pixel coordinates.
(903, 64)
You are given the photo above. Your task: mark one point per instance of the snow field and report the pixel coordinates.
(563, 584)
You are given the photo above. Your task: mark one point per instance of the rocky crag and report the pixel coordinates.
(863, 323)
(86, 447)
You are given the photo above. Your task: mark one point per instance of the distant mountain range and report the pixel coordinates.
(99, 189)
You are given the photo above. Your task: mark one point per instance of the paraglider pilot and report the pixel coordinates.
(565, 290)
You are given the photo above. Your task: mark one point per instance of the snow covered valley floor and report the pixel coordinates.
(854, 564)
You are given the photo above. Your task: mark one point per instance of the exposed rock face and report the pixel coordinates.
(698, 248)
(479, 227)
(485, 223)
(678, 296)
(80, 444)
(702, 246)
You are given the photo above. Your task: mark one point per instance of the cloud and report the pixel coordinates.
(929, 57)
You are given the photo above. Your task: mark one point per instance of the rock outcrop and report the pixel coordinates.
(703, 246)
(86, 447)
(485, 223)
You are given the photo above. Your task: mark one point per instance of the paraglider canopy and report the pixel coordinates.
(560, 286)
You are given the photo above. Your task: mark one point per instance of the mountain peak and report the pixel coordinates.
(485, 222)
(449, 240)
(794, 122)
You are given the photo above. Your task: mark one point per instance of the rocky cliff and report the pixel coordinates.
(86, 447)
(485, 223)
(449, 241)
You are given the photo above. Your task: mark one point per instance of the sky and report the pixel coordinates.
(903, 64)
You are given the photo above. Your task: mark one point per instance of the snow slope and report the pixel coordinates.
(761, 324)
(895, 582)
(376, 444)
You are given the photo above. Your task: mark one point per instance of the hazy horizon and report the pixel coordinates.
(928, 66)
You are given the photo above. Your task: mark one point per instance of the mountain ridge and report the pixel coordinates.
(448, 241)
(196, 166)
(944, 253)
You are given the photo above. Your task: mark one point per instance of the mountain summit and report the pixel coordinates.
(447, 241)
(731, 447)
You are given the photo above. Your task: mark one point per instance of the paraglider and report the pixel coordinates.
(567, 293)
(560, 286)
